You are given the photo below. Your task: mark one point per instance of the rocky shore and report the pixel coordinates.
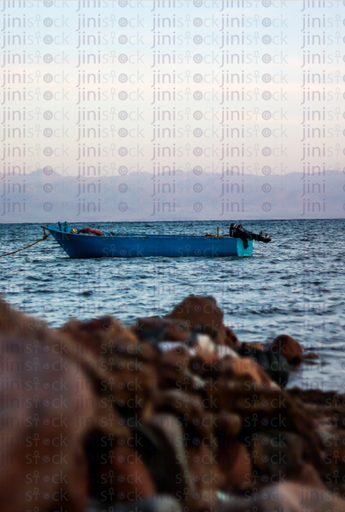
(170, 414)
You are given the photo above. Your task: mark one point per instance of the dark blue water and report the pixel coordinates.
(295, 285)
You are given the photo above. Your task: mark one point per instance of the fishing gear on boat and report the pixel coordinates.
(90, 231)
(44, 237)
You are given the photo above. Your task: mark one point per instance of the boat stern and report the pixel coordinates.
(241, 251)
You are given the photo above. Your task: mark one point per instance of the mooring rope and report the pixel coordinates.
(30, 245)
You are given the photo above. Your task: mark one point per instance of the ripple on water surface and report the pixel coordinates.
(293, 285)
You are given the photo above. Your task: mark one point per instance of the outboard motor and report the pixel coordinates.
(238, 231)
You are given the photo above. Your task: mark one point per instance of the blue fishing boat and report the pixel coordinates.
(92, 243)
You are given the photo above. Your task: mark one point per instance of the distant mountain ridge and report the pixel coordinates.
(47, 196)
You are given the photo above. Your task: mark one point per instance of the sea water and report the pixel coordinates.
(293, 285)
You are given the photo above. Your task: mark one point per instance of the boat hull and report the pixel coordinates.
(132, 246)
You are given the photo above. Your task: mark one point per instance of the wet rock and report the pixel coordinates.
(288, 347)
(229, 338)
(242, 370)
(317, 397)
(203, 315)
(205, 418)
(274, 364)
(253, 346)
(156, 329)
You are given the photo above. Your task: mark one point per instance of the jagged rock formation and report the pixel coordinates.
(173, 407)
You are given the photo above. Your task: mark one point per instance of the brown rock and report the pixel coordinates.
(98, 336)
(14, 320)
(190, 409)
(288, 347)
(230, 338)
(170, 457)
(160, 329)
(310, 356)
(77, 487)
(172, 367)
(126, 476)
(204, 363)
(210, 402)
(228, 424)
(206, 474)
(178, 357)
(243, 369)
(235, 463)
(254, 345)
(278, 453)
(202, 314)
(121, 368)
(56, 409)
